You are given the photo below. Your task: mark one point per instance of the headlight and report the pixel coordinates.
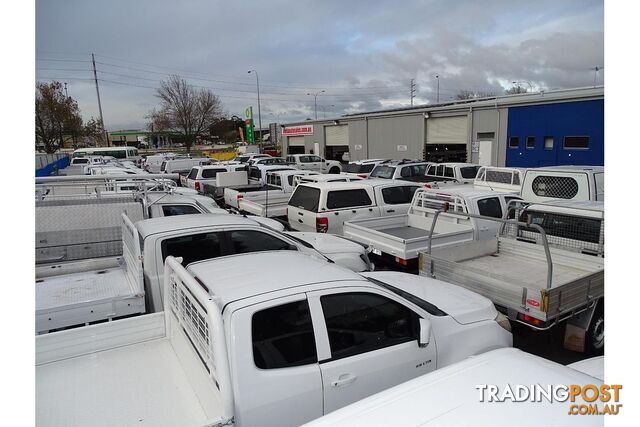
(503, 321)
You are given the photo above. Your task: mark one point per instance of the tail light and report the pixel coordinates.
(402, 261)
(363, 175)
(197, 185)
(322, 225)
(531, 320)
(239, 196)
(427, 186)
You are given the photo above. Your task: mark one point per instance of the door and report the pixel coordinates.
(490, 207)
(485, 153)
(368, 343)
(275, 357)
(346, 205)
(316, 164)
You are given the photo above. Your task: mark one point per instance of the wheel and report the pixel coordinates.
(334, 170)
(595, 333)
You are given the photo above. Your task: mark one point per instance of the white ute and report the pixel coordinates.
(314, 163)
(577, 183)
(402, 237)
(450, 397)
(234, 346)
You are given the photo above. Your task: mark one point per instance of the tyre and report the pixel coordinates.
(334, 170)
(595, 333)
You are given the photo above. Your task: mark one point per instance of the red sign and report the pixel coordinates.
(533, 302)
(298, 130)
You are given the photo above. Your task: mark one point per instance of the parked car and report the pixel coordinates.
(201, 175)
(450, 396)
(462, 173)
(362, 168)
(400, 238)
(183, 165)
(314, 163)
(267, 161)
(324, 207)
(406, 170)
(578, 183)
(235, 346)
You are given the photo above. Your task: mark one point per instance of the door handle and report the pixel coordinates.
(300, 221)
(300, 213)
(353, 211)
(391, 210)
(343, 380)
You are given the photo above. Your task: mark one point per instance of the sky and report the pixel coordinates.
(362, 54)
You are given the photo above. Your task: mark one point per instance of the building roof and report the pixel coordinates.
(243, 276)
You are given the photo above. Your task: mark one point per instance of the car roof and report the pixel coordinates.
(359, 184)
(365, 161)
(402, 162)
(147, 227)
(242, 276)
(584, 208)
(449, 395)
(571, 168)
(467, 190)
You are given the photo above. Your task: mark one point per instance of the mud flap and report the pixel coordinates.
(575, 338)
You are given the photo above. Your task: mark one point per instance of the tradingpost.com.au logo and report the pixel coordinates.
(587, 399)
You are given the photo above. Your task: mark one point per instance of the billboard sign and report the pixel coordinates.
(297, 130)
(248, 124)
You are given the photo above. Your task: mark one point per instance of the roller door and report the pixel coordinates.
(296, 141)
(335, 136)
(447, 130)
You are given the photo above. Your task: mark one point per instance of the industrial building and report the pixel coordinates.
(557, 127)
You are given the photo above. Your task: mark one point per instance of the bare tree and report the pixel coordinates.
(515, 90)
(185, 112)
(57, 117)
(469, 94)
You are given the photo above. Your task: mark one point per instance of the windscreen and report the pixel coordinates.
(383, 171)
(356, 168)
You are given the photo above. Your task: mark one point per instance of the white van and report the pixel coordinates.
(183, 165)
(577, 183)
(324, 207)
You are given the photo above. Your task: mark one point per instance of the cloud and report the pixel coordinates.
(361, 53)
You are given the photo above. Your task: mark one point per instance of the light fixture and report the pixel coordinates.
(426, 115)
(336, 122)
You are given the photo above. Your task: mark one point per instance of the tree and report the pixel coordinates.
(468, 94)
(184, 112)
(93, 131)
(515, 90)
(57, 117)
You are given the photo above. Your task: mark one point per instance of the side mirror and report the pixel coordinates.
(425, 332)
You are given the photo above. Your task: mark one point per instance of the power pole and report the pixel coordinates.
(438, 90)
(595, 75)
(412, 87)
(95, 78)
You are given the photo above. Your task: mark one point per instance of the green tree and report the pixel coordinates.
(57, 117)
(184, 111)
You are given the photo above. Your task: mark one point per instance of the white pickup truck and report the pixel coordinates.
(325, 206)
(201, 175)
(234, 346)
(462, 173)
(314, 163)
(533, 283)
(400, 238)
(81, 292)
(576, 183)
(451, 396)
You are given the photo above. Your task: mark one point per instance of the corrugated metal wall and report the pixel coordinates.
(398, 137)
(447, 130)
(336, 135)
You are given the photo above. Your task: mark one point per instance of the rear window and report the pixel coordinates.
(306, 198)
(163, 166)
(211, 173)
(347, 199)
(356, 168)
(80, 161)
(193, 174)
(398, 195)
(385, 172)
(490, 207)
(469, 172)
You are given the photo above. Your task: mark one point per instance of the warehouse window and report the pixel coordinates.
(548, 143)
(514, 142)
(485, 135)
(576, 142)
(531, 142)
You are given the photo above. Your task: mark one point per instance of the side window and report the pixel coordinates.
(193, 248)
(193, 174)
(490, 207)
(398, 195)
(440, 171)
(171, 210)
(245, 241)
(448, 172)
(283, 336)
(347, 199)
(360, 322)
(315, 158)
(405, 172)
(304, 159)
(211, 173)
(432, 170)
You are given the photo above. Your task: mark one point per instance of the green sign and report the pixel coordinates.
(248, 125)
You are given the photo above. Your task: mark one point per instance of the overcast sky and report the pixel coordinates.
(361, 53)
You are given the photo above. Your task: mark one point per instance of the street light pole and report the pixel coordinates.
(438, 89)
(259, 114)
(315, 102)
